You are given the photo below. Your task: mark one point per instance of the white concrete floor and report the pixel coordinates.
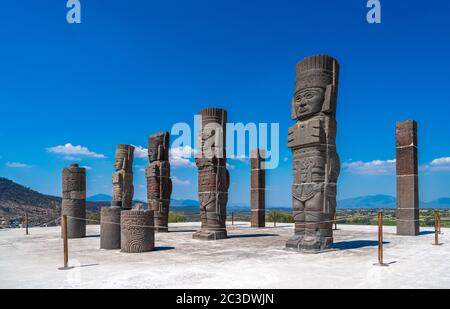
(250, 258)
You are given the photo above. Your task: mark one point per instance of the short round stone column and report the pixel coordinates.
(137, 231)
(110, 228)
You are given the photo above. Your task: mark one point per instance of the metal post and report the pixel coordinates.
(66, 244)
(436, 228)
(26, 223)
(380, 240)
(439, 222)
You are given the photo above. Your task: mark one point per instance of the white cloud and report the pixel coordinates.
(140, 152)
(376, 167)
(180, 182)
(437, 165)
(70, 151)
(17, 165)
(181, 156)
(441, 161)
(88, 168)
(380, 167)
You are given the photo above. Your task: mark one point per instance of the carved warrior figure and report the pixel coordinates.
(137, 231)
(315, 160)
(213, 176)
(122, 179)
(159, 184)
(74, 201)
(258, 188)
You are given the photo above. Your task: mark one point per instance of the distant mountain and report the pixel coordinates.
(99, 198)
(183, 203)
(443, 202)
(16, 199)
(387, 201)
(370, 201)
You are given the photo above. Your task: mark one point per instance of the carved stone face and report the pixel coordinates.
(118, 163)
(309, 101)
(153, 153)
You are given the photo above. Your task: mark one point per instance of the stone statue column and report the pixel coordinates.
(213, 176)
(316, 164)
(122, 179)
(74, 200)
(258, 188)
(407, 179)
(159, 184)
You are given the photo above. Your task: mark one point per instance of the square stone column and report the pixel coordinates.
(258, 188)
(407, 179)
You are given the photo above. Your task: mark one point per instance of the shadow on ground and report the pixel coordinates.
(182, 231)
(163, 248)
(426, 233)
(93, 236)
(253, 235)
(356, 244)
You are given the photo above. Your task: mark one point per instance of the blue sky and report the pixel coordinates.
(135, 67)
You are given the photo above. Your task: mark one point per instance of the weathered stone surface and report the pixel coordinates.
(137, 231)
(159, 183)
(316, 163)
(213, 176)
(123, 189)
(258, 188)
(406, 161)
(74, 201)
(406, 132)
(407, 179)
(110, 228)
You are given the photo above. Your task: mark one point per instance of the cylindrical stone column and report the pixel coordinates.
(74, 201)
(137, 231)
(110, 228)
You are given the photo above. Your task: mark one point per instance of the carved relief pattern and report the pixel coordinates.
(137, 231)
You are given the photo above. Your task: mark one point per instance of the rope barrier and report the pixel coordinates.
(156, 226)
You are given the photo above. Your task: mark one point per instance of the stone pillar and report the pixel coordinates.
(159, 184)
(213, 176)
(122, 179)
(137, 231)
(258, 188)
(407, 179)
(110, 228)
(315, 160)
(74, 201)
